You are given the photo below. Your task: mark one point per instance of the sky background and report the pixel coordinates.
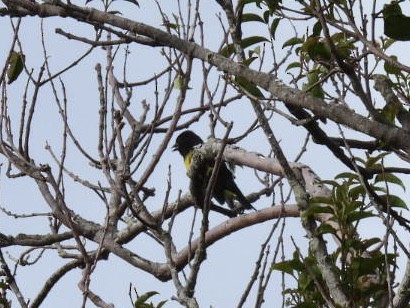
(230, 261)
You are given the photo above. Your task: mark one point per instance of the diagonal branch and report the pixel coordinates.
(341, 114)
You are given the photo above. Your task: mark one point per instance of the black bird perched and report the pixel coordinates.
(225, 189)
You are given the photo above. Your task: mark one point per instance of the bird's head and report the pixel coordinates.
(186, 141)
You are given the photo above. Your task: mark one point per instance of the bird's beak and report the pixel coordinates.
(175, 147)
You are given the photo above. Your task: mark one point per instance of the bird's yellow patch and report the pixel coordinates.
(188, 159)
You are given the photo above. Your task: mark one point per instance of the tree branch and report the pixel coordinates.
(389, 134)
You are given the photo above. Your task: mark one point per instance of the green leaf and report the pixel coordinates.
(386, 43)
(229, 49)
(172, 25)
(252, 40)
(139, 303)
(320, 200)
(347, 175)
(274, 25)
(316, 49)
(248, 86)
(313, 86)
(134, 2)
(266, 16)
(394, 201)
(389, 178)
(358, 215)
(370, 242)
(161, 303)
(325, 228)
(366, 266)
(379, 189)
(292, 42)
(252, 17)
(344, 47)
(329, 182)
(114, 12)
(15, 66)
(295, 64)
(360, 160)
(390, 68)
(304, 281)
(249, 61)
(317, 209)
(317, 29)
(284, 266)
(373, 161)
(357, 191)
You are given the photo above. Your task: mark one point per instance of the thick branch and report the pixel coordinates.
(232, 225)
(391, 135)
(162, 271)
(34, 240)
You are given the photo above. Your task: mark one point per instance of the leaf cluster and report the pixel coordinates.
(363, 266)
(142, 301)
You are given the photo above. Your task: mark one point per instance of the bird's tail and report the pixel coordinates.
(240, 197)
(244, 202)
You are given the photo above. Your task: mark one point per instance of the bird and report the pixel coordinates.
(225, 188)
